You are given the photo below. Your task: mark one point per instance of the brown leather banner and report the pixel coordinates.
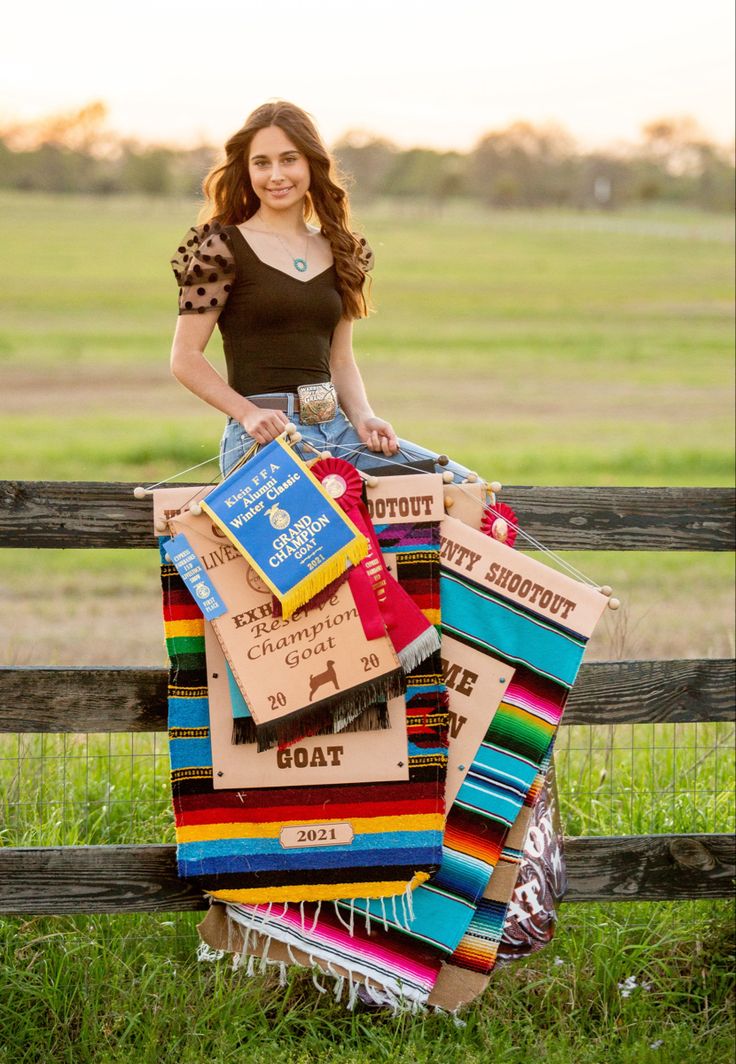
(317, 660)
(348, 757)
(476, 683)
(397, 500)
(520, 578)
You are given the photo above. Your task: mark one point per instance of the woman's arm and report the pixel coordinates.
(195, 372)
(376, 433)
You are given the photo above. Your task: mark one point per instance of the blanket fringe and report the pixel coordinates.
(206, 953)
(374, 718)
(360, 986)
(244, 731)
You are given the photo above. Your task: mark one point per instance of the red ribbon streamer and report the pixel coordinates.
(379, 598)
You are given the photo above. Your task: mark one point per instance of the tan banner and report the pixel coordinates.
(476, 683)
(283, 666)
(519, 578)
(398, 500)
(348, 757)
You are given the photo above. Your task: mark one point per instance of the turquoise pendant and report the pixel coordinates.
(300, 265)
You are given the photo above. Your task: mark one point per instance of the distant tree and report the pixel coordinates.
(524, 165)
(426, 174)
(677, 161)
(146, 170)
(674, 144)
(716, 179)
(82, 130)
(189, 167)
(365, 160)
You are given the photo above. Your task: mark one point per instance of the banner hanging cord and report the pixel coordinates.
(348, 449)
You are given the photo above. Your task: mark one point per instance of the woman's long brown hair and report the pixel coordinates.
(231, 199)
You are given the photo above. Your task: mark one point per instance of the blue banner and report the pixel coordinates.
(285, 524)
(199, 583)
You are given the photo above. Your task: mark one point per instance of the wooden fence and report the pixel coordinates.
(132, 878)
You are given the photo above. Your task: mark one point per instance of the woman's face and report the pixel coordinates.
(278, 171)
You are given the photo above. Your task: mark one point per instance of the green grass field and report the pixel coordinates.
(551, 348)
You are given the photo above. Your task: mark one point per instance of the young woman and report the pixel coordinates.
(275, 264)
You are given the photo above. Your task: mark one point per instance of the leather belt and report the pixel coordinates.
(274, 402)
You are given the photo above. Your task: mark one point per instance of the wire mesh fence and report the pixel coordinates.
(95, 789)
(641, 779)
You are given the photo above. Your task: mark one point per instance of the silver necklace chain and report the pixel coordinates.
(299, 264)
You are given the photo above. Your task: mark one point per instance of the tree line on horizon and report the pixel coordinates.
(521, 165)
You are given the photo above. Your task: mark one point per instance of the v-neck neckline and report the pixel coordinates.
(276, 268)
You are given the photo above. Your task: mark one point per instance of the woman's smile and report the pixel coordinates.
(275, 158)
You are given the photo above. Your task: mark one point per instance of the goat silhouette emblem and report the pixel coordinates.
(320, 678)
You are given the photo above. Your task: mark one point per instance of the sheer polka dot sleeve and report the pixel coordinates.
(204, 267)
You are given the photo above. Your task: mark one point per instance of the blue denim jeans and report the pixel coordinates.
(337, 436)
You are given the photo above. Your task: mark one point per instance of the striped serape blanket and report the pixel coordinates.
(227, 840)
(539, 621)
(281, 935)
(391, 973)
(466, 974)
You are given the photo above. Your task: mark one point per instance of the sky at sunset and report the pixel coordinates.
(436, 74)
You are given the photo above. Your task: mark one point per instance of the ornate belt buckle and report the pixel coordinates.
(317, 403)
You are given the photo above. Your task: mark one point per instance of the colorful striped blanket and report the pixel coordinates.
(281, 937)
(539, 621)
(466, 973)
(227, 840)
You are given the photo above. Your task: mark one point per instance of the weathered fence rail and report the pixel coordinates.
(91, 514)
(118, 879)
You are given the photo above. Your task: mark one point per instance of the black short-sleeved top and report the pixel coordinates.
(276, 329)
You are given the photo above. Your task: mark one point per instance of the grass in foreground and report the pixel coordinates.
(125, 990)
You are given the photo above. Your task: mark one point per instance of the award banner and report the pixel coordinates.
(285, 525)
(348, 757)
(476, 684)
(316, 670)
(400, 499)
(499, 574)
(192, 572)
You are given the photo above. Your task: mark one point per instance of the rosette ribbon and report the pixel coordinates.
(382, 603)
(500, 522)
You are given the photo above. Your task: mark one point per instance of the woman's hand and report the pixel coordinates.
(378, 435)
(264, 425)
